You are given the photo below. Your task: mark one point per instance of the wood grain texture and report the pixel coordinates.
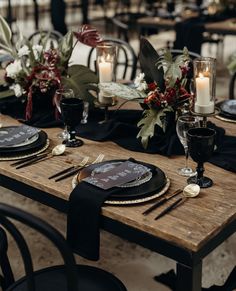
(190, 225)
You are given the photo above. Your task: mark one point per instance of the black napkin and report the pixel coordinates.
(83, 219)
(225, 155)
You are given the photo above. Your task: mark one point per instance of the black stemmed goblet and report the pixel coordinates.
(201, 141)
(72, 112)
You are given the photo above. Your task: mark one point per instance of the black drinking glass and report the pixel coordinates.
(201, 142)
(72, 113)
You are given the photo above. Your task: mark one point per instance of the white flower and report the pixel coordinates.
(140, 83)
(13, 69)
(37, 50)
(18, 90)
(23, 51)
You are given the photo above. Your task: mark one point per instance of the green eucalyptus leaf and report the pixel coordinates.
(81, 79)
(5, 33)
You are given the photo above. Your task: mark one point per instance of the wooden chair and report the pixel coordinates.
(126, 65)
(232, 86)
(64, 277)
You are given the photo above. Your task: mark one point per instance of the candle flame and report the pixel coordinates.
(106, 58)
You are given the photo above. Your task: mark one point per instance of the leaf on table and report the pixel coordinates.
(121, 91)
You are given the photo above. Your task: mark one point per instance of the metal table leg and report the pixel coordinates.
(189, 278)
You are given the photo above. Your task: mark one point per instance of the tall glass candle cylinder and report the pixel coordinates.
(204, 79)
(106, 60)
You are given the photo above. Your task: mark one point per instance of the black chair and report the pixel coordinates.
(60, 278)
(52, 37)
(126, 65)
(125, 16)
(232, 86)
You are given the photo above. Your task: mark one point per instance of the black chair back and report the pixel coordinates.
(232, 86)
(61, 278)
(52, 37)
(126, 64)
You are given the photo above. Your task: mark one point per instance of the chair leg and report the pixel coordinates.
(8, 278)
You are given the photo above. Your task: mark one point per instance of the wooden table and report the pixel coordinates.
(186, 235)
(226, 27)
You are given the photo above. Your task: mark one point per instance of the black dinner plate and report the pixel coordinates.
(33, 147)
(155, 184)
(13, 130)
(228, 107)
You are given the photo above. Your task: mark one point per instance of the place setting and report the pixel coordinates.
(20, 142)
(118, 182)
(227, 110)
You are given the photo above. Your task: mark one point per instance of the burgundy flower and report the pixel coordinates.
(152, 86)
(88, 35)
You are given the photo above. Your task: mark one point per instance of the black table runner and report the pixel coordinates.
(122, 129)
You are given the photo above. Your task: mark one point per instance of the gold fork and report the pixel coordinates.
(81, 164)
(76, 169)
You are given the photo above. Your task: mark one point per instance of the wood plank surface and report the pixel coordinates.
(189, 226)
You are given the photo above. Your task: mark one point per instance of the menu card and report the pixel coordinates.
(14, 135)
(125, 172)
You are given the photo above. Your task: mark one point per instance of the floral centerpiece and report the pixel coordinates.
(161, 89)
(39, 69)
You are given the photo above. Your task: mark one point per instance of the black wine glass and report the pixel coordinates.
(72, 113)
(201, 141)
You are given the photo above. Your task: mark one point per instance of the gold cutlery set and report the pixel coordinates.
(191, 190)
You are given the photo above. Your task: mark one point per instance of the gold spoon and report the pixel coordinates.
(56, 151)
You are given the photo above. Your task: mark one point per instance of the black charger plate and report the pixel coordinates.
(228, 109)
(26, 149)
(154, 185)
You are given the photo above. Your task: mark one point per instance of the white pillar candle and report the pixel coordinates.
(203, 90)
(105, 75)
(203, 98)
(105, 72)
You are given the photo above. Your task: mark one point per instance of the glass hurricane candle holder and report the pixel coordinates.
(106, 62)
(204, 86)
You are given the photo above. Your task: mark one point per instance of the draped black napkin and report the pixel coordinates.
(83, 218)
